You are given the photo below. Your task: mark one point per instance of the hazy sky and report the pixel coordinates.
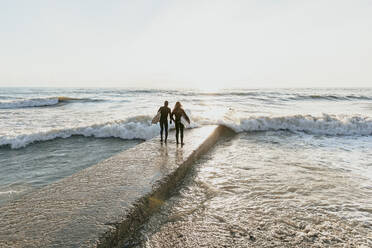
(211, 44)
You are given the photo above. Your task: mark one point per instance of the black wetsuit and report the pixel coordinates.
(164, 111)
(178, 113)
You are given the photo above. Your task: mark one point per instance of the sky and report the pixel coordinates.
(194, 44)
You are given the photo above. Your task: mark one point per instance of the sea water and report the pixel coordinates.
(271, 189)
(299, 168)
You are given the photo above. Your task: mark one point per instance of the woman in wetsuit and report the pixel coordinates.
(178, 112)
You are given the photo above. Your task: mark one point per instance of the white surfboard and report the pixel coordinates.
(184, 121)
(156, 118)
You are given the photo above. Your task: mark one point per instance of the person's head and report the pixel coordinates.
(166, 103)
(177, 105)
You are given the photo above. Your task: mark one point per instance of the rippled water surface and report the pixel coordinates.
(272, 189)
(23, 170)
(297, 173)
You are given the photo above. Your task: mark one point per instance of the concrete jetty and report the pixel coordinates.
(102, 205)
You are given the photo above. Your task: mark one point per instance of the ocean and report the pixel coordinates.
(299, 168)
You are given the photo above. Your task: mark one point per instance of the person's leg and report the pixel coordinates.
(177, 130)
(181, 129)
(166, 130)
(161, 130)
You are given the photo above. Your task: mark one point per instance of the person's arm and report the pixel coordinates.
(159, 109)
(186, 117)
(170, 116)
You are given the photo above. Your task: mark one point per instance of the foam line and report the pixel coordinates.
(27, 103)
(126, 129)
(323, 125)
(41, 102)
(139, 127)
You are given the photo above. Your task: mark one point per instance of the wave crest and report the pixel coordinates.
(139, 127)
(331, 97)
(40, 102)
(323, 125)
(26, 103)
(134, 128)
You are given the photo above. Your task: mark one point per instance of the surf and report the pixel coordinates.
(138, 127)
(41, 102)
(326, 124)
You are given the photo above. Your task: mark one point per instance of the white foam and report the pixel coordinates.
(324, 124)
(139, 127)
(36, 102)
(9, 192)
(134, 128)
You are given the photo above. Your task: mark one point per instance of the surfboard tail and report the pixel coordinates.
(156, 118)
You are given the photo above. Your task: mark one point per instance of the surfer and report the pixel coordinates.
(164, 112)
(178, 112)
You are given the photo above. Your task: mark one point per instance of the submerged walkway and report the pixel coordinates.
(101, 205)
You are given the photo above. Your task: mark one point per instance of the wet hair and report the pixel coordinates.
(166, 103)
(177, 106)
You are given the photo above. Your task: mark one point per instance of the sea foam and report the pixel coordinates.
(139, 127)
(24, 103)
(125, 129)
(324, 124)
(40, 102)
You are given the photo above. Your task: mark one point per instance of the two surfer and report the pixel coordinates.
(178, 113)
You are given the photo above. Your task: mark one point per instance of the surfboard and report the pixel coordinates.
(156, 118)
(184, 121)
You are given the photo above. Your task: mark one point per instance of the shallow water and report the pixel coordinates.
(35, 166)
(271, 189)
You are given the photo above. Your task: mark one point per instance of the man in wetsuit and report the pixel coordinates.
(164, 112)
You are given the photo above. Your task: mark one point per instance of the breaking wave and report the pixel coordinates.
(282, 95)
(140, 127)
(40, 102)
(323, 125)
(133, 128)
(330, 97)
